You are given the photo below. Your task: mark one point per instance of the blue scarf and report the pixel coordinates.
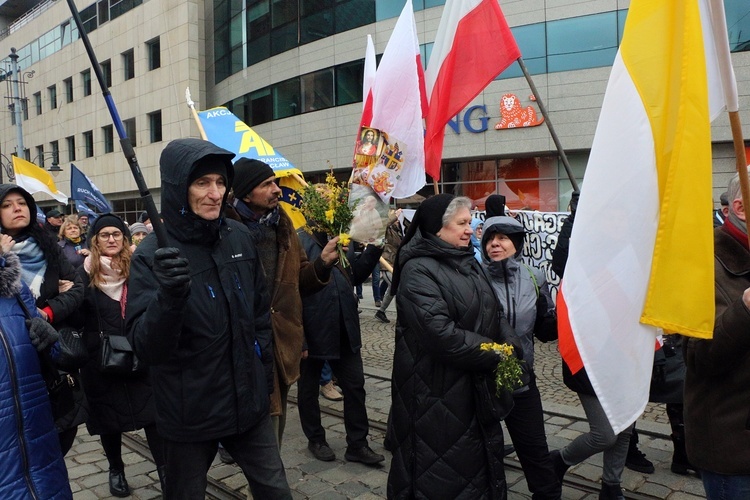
(33, 264)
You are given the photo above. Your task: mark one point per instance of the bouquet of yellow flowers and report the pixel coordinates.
(326, 208)
(508, 371)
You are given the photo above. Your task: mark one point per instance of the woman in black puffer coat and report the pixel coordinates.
(446, 442)
(118, 403)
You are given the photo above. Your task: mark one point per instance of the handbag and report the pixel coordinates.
(72, 353)
(491, 407)
(115, 355)
(63, 389)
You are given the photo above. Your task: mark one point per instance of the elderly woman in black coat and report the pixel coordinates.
(118, 403)
(445, 427)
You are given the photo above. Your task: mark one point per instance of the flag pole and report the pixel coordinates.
(552, 132)
(127, 147)
(741, 162)
(191, 105)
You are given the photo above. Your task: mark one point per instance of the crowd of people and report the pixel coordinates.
(219, 321)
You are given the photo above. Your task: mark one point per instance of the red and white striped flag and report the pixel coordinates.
(395, 103)
(473, 45)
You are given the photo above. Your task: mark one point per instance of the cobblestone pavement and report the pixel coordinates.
(312, 479)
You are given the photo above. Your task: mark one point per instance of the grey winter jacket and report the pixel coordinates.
(522, 290)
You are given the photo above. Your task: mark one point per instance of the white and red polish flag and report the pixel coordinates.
(472, 46)
(395, 103)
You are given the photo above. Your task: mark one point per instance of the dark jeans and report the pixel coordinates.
(525, 425)
(723, 487)
(256, 451)
(376, 296)
(351, 379)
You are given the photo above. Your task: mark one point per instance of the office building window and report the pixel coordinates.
(349, 82)
(71, 143)
(128, 64)
(153, 49)
(86, 82)
(154, 125)
(88, 143)
(39, 158)
(317, 90)
(38, 103)
(108, 138)
(106, 68)
(129, 125)
(68, 82)
(52, 96)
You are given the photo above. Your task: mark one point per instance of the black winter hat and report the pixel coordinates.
(429, 215)
(54, 213)
(248, 174)
(107, 220)
(494, 206)
(209, 165)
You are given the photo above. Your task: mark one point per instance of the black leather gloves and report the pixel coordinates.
(41, 333)
(172, 271)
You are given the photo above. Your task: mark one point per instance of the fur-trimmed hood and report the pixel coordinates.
(10, 275)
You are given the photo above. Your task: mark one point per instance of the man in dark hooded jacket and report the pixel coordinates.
(198, 313)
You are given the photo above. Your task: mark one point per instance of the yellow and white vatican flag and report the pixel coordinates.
(641, 251)
(35, 179)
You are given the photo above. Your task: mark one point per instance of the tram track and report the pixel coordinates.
(219, 491)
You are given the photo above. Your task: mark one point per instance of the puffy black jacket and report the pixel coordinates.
(210, 378)
(446, 309)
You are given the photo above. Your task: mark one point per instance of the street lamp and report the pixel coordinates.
(16, 80)
(54, 168)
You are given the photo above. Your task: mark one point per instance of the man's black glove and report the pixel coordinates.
(41, 333)
(172, 271)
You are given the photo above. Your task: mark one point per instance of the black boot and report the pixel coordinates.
(636, 459)
(680, 463)
(162, 472)
(611, 492)
(118, 485)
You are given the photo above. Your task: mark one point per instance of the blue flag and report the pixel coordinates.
(82, 189)
(41, 218)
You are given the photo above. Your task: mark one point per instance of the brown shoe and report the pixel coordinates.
(330, 392)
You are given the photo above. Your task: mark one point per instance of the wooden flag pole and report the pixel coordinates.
(552, 132)
(741, 163)
(191, 105)
(435, 185)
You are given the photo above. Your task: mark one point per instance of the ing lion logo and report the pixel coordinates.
(513, 116)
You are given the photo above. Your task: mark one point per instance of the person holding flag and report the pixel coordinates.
(289, 273)
(717, 382)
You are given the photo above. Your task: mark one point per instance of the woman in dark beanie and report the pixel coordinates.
(445, 443)
(57, 290)
(118, 403)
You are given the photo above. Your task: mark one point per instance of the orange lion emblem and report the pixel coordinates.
(513, 116)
